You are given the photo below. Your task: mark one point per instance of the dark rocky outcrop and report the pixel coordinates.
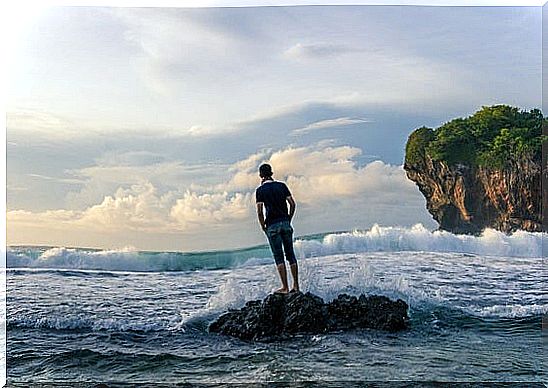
(282, 315)
(468, 199)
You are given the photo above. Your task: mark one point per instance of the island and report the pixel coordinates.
(482, 171)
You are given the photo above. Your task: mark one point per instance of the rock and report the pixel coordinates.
(282, 315)
(376, 312)
(482, 171)
(467, 199)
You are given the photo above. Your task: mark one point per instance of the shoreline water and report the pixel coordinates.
(472, 315)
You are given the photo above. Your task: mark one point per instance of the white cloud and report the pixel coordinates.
(331, 123)
(203, 131)
(142, 208)
(48, 218)
(40, 121)
(244, 174)
(130, 158)
(138, 208)
(56, 179)
(324, 180)
(318, 50)
(322, 173)
(330, 174)
(210, 209)
(130, 169)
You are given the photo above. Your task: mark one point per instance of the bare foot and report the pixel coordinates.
(294, 290)
(281, 291)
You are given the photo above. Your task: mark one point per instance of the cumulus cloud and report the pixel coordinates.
(139, 207)
(326, 181)
(320, 173)
(126, 170)
(142, 208)
(244, 175)
(210, 209)
(331, 123)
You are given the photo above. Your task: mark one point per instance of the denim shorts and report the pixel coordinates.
(280, 235)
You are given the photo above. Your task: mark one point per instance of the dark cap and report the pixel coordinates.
(265, 171)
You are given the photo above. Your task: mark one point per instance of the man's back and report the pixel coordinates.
(274, 195)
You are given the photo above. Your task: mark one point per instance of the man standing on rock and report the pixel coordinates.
(275, 195)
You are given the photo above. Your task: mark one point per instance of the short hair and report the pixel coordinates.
(265, 170)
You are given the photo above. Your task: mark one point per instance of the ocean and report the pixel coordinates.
(476, 308)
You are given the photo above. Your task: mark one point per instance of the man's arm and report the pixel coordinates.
(260, 215)
(292, 206)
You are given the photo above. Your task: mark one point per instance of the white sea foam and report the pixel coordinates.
(85, 324)
(326, 277)
(376, 239)
(421, 279)
(510, 310)
(236, 291)
(125, 259)
(418, 238)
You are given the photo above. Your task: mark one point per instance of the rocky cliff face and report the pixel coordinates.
(464, 199)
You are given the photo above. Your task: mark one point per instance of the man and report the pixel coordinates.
(274, 196)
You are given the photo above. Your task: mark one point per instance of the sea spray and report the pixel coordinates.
(325, 278)
(422, 279)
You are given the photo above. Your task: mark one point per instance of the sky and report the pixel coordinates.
(145, 127)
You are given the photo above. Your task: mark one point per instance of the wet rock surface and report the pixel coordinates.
(283, 315)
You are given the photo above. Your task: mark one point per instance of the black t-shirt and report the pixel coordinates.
(273, 194)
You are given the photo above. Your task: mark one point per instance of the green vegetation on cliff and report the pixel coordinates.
(490, 137)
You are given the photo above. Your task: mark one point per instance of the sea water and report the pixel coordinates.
(476, 307)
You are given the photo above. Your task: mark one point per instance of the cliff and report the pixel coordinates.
(469, 184)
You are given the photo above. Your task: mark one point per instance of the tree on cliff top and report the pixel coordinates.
(490, 137)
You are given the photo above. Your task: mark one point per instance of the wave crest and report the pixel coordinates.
(418, 238)
(376, 239)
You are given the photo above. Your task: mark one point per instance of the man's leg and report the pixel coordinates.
(295, 274)
(283, 276)
(287, 240)
(275, 240)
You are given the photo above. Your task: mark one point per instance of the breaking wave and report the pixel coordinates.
(418, 238)
(376, 239)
